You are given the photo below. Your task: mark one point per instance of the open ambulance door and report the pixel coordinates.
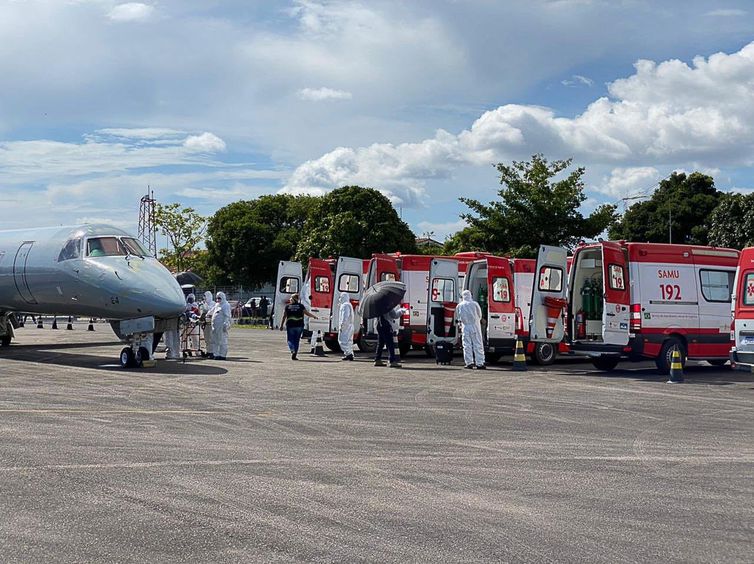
(319, 294)
(288, 283)
(501, 305)
(616, 310)
(442, 300)
(381, 268)
(348, 273)
(548, 298)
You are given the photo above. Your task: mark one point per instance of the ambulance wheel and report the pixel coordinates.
(606, 363)
(544, 354)
(5, 341)
(127, 358)
(404, 348)
(332, 345)
(718, 361)
(492, 357)
(365, 346)
(429, 350)
(665, 357)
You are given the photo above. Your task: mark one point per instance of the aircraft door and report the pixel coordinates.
(19, 272)
(442, 301)
(616, 311)
(319, 294)
(348, 275)
(548, 296)
(288, 283)
(501, 306)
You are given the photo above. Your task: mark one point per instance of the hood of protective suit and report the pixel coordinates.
(208, 297)
(222, 297)
(191, 298)
(466, 295)
(343, 298)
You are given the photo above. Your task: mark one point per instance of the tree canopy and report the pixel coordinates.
(356, 222)
(184, 228)
(683, 203)
(534, 208)
(731, 224)
(247, 239)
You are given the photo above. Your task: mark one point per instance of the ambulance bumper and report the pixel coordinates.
(743, 361)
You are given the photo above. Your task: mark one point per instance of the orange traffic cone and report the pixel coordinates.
(449, 310)
(554, 310)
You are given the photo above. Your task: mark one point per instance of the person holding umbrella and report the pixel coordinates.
(293, 322)
(381, 301)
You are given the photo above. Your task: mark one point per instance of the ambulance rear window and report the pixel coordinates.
(550, 279)
(501, 290)
(387, 276)
(348, 283)
(617, 280)
(289, 285)
(322, 284)
(748, 289)
(716, 285)
(443, 290)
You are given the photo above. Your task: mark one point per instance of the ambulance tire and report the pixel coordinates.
(429, 351)
(404, 348)
(665, 357)
(5, 341)
(544, 354)
(606, 363)
(492, 357)
(366, 347)
(331, 344)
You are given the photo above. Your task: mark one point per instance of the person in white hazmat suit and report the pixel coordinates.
(207, 309)
(469, 314)
(220, 326)
(345, 326)
(172, 340)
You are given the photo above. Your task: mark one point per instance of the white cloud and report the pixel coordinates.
(205, 143)
(726, 13)
(668, 113)
(440, 230)
(130, 12)
(630, 182)
(319, 94)
(577, 80)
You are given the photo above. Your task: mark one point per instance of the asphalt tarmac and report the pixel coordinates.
(263, 459)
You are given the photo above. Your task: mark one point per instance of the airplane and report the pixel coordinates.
(92, 270)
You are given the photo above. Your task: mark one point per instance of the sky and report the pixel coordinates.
(209, 102)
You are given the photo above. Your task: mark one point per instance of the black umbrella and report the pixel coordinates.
(381, 298)
(191, 278)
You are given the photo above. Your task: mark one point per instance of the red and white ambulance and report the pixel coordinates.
(432, 293)
(742, 327)
(503, 287)
(325, 281)
(640, 300)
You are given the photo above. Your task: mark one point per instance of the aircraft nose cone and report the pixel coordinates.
(155, 291)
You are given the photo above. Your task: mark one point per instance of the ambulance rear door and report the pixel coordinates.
(442, 300)
(381, 268)
(348, 272)
(290, 275)
(501, 306)
(548, 296)
(319, 276)
(743, 307)
(616, 310)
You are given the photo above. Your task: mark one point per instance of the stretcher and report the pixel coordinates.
(191, 329)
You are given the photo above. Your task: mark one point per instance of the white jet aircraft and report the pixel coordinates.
(89, 271)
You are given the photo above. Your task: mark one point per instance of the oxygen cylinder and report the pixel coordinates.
(586, 299)
(580, 325)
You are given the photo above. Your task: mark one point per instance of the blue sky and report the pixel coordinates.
(209, 102)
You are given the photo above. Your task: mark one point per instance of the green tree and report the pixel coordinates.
(184, 228)
(247, 239)
(467, 239)
(356, 222)
(732, 222)
(683, 203)
(534, 209)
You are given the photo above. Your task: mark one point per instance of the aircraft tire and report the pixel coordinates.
(141, 355)
(127, 358)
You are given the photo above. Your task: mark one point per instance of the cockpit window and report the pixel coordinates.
(134, 247)
(104, 247)
(71, 250)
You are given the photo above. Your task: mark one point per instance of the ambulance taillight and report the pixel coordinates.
(406, 317)
(636, 318)
(733, 332)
